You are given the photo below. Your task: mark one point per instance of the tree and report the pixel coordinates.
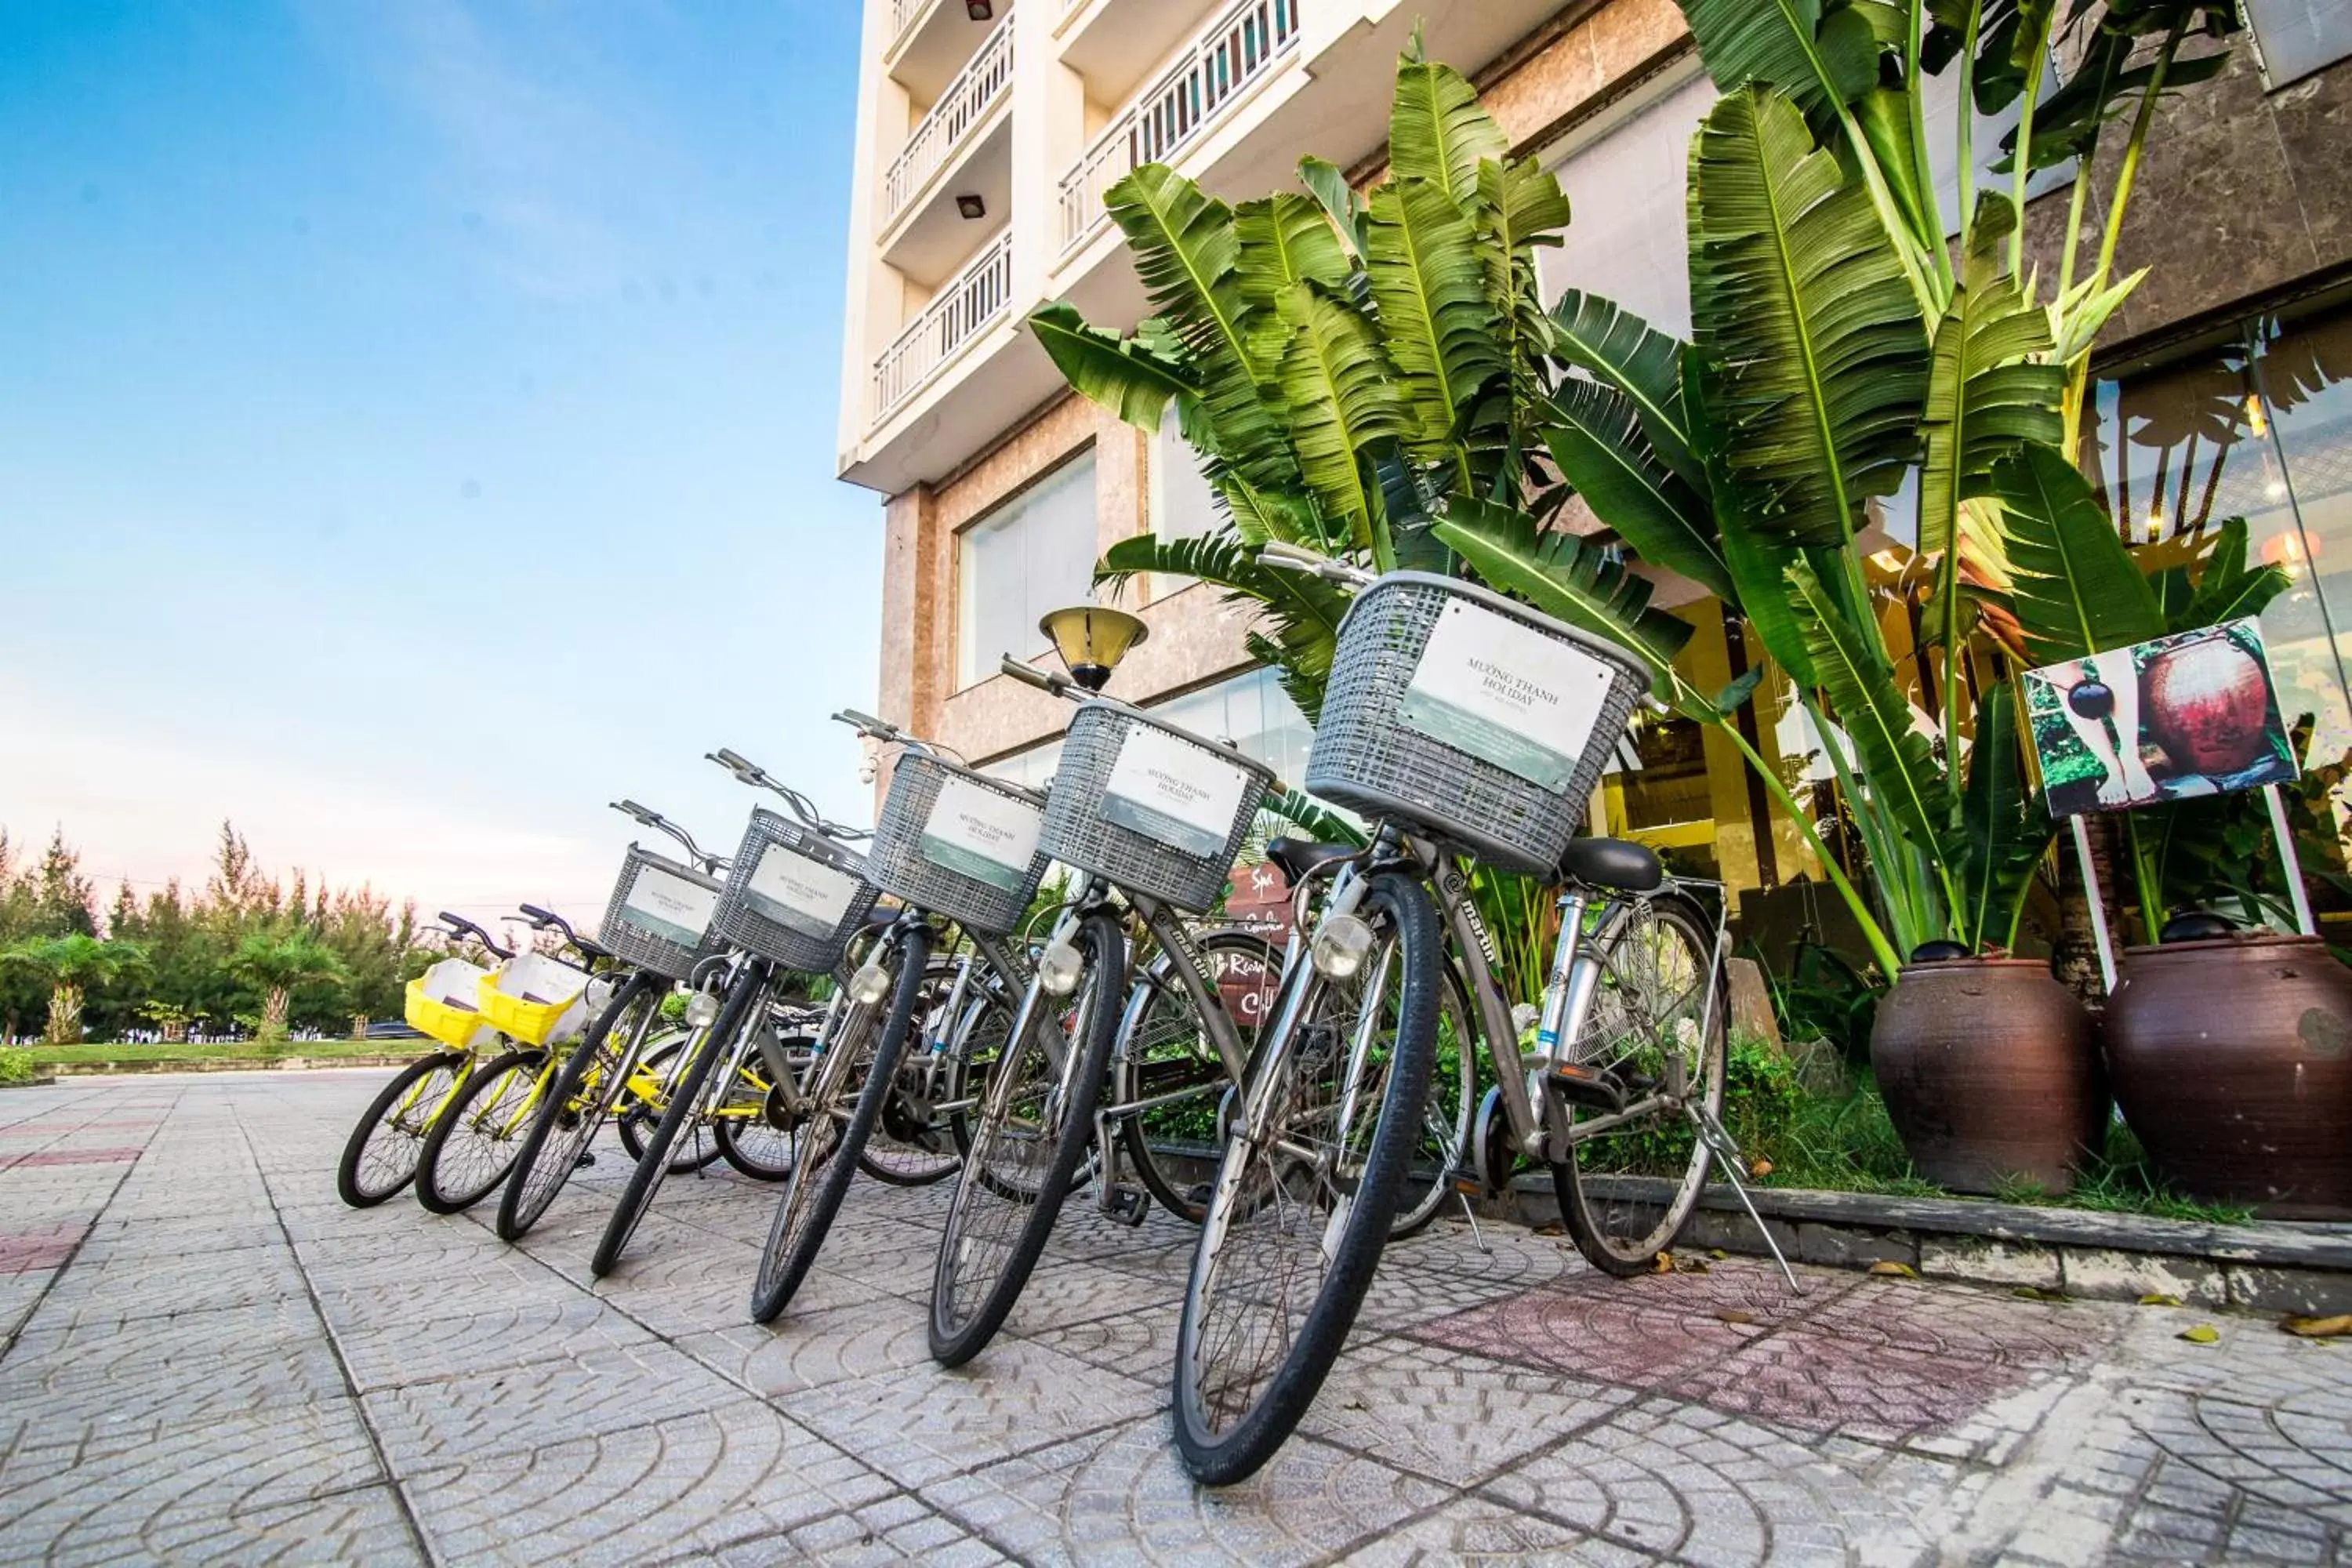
(70, 966)
(275, 964)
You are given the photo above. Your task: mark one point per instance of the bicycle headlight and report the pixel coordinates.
(871, 984)
(701, 1010)
(1340, 946)
(1058, 968)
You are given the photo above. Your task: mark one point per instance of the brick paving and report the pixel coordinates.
(208, 1358)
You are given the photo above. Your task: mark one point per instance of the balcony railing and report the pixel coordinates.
(985, 78)
(976, 296)
(902, 15)
(1242, 46)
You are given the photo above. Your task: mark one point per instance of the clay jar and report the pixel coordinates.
(2233, 1061)
(1990, 1072)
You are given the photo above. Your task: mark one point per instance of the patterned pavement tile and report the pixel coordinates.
(1121, 1496)
(1599, 1336)
(897, 1529)
(1448, 1415)
(585, 1393)
(194, 1368)
(1060, 1294)
(394, 1352)
(920, 1425)
(1478, 1533)
(1962, 1322)
(1140, 1345)
(1822, 1385)
(38, 1247)
(814, 1349)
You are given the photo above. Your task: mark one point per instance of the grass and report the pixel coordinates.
(242, 1050)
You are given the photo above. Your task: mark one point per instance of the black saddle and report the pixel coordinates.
(1612, 863)
(881, 921)
(1299, 857)
(589, 948)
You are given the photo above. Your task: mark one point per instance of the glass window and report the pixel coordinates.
(1032, 769)
(1254, 712)
(2299, 37)
(1628, 239)
(1939, 102)
(1183, 504)
(1034, 554)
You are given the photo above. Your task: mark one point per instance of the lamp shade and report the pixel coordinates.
(1092, 640)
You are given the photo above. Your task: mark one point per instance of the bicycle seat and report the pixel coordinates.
(881, 921)
(589, 948)
(1299, 857)
(1615, 863)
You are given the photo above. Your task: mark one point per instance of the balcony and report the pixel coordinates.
(956, 315)
(931, 39)
(985, 81)
(1116, 45)
(1212, 73)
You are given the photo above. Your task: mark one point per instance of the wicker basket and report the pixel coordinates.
(1375, 751)
(1170, 827)
(793, 896)
(945, 862)
(664, 925)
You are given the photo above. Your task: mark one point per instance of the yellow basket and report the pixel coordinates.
(534, 998)
(441, 1002)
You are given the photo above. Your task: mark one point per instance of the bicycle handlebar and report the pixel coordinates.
(1298, 558)
(750, 772)
(1029, 675)
(890, 735)
(541, 919)
(646, 817)
(461, 928)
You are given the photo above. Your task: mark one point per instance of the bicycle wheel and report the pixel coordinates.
(752, 1120)
(1445, 1118)
(685, 1106)
(1034, 1128)
(1305, 1194)
(1165, 1049)
(1653, 1027)
(827, 1158)
(640, 1111)
(583, 1095)
(382, 1153)
(913, 1145)
(471, 1149)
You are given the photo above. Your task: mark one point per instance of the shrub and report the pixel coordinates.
(15, 1065)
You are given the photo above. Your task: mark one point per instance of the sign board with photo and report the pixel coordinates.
(2194, 714)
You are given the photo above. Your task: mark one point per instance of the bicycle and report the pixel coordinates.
(794, 899)
(656, 924)
(1154, 814)
(387, 1144)
(950, 843)
(1458, 722)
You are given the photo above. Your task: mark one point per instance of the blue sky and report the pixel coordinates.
(419, 430)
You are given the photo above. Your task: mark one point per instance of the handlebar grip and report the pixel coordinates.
(733, 760)
(631, 808)
(538, 918)
(1278, 552)
(460, 921)
(1029, 675)
(865, 723)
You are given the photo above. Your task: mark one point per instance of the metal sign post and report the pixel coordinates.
(2284, 834)
(2098, 903)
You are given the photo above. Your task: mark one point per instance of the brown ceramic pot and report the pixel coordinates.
(2233, 1060)
(1990, 1072)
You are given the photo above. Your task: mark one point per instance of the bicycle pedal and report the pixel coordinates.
(1465, 1180)
(1595, 1089)
(1126, 1205)
(587, 1158)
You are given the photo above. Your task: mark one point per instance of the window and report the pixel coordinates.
(1939, 100)
(1254, 712)
(2299, 37)
(1183, 506)
(1628, 239)
(1031, 555)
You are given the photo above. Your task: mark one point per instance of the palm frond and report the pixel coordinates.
(1563, 576)
(1619, 349)
(1596, 437)
(2074, 586)
(1124, 375)
(1342, 396)
(1992, 385)
(2006, 829)
(1438, 131)
(1439, 327)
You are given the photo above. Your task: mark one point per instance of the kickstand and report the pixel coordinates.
(1726, 1155)
(1471, 1214)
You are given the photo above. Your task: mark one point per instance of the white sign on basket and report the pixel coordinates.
(978, 832)
(1507, 694)
(664, 904)
(799, 893)
(1168, 789)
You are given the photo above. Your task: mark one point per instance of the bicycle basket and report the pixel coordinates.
(659, 918)
(535, 998)
(1477, 720)
(959, 844)
(1151, 808)
(793, 896)
(444, 1003)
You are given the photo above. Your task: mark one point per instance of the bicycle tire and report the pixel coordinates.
(1132, 1078)
(1611, 1236)
(1219, 1455)
(685, 1105)
(956, 1340)
(565, 1127)
(1443, 1148)
(455, 1191)
(812, 1197)
(634, 1122)
(389, 1128)
(729, 1132)
(901, 1152)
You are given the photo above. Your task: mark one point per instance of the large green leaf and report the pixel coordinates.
(1595, 436)
(2006, 830)
(1798, 299)
(1521, 209)
(1438, 324)
(1300, 625)
(1784, 43)
(1123, 374)
(2226, 589)
(1342, 395)
(1758, 567)
(1897, 765)
(1328, 184)
(1438, 131)
(2076, 590)
(1563, 576)
(1617, 347)
(1284, 239)
(1990, 387)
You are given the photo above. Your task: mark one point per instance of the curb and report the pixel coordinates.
(2266, 1268)
(227, 1063)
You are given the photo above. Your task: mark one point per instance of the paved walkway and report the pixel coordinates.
(210, 1358)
